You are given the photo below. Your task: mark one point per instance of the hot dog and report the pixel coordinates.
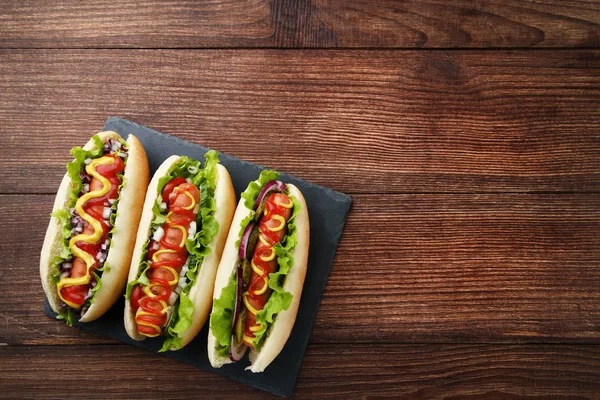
(186, 217)
(87, 249)
(260, 277)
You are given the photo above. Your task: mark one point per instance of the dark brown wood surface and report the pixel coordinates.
(409, 372)
(361, 121)
(470, 263)
(299, 23)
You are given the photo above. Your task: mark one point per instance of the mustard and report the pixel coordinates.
(170, 269)
(285, 205)
(265, 278)
(248, 306)
(281, 223)
(269, 257)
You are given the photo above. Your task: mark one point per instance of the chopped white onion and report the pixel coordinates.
(192, 230)
(197, 208)
(104, 247)
(64, 274)
(122, 155)
(106, 213)
(86, 187)
(158, 234)
(169, 312)
(188, 180)
(99, 255)
(78, 229)
(67, 265)
(173, 298)
(88, 161)
(178, 289)
(182, 281)
(155, 246)
(111, 201)
(89, 294)
(163, 206)
(184, 271)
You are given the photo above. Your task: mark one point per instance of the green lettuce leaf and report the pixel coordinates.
(64, 219)
(253, 190)
(180, 321)
(185, 311)
(69, 315)
(75, 167)
(221, 318)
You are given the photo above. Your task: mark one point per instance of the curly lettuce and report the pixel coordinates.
(221, 318)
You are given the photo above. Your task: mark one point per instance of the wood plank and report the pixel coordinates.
(361, 121)
(402, 372)
(409, 269)
(299, 24)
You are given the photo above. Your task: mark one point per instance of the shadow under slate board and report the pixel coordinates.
(327, 212)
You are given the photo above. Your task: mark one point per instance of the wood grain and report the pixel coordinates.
(469, 267)
(355, 121)
(384, 371)
(299, 24)
(410, 269)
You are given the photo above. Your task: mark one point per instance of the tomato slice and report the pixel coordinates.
(136, 295)
(172, 184)
(74, 294)
(111, 169)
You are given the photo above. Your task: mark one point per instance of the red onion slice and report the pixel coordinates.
(269, 187)
(245, 240)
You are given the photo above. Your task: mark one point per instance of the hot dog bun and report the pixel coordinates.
(201, 292)
(135, 176)
(281, 328)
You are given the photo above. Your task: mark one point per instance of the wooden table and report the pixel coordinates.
(466, 132)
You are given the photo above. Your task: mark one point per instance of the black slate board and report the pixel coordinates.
(327, 211)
